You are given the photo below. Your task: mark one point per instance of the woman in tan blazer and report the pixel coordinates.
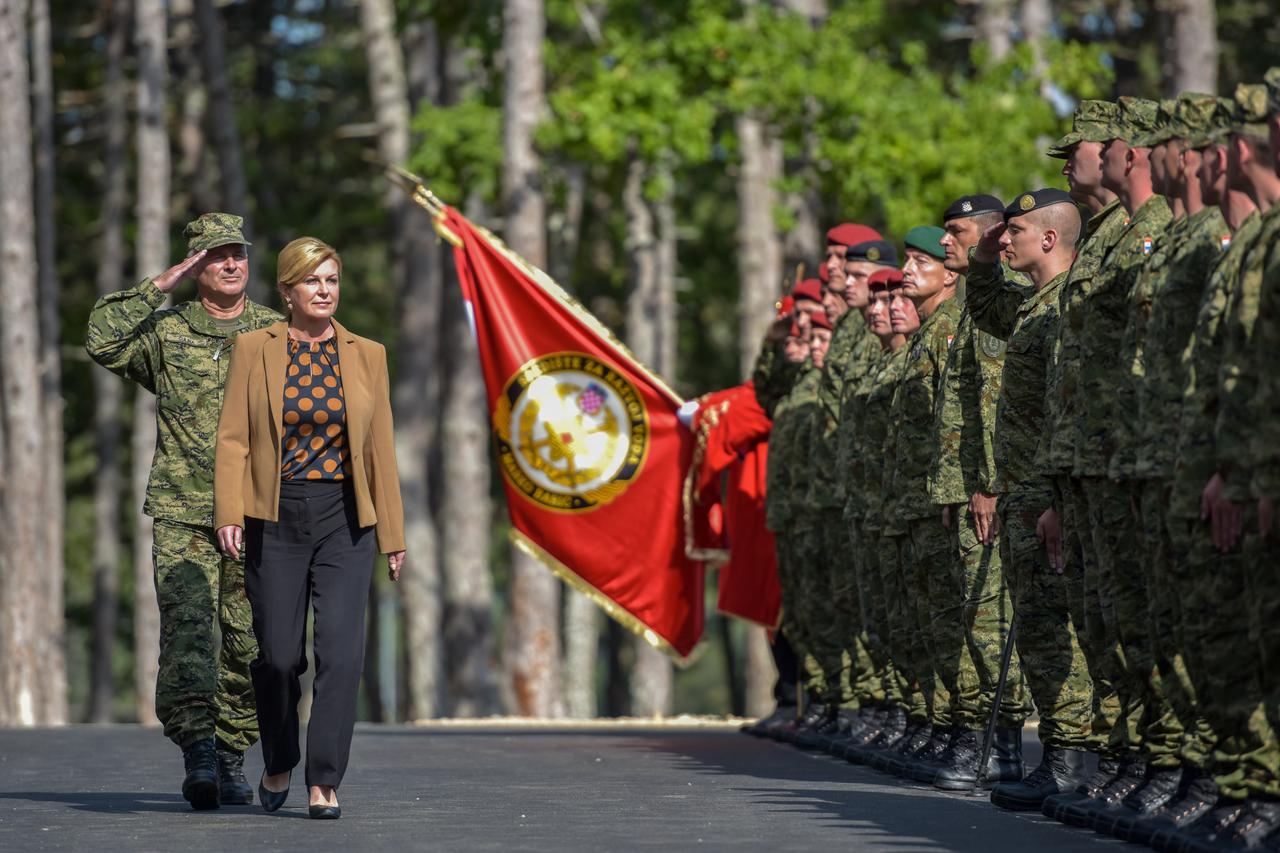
(305, 483)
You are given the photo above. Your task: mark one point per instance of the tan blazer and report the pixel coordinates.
(246, 480)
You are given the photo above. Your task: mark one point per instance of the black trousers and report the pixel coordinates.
(316, 555)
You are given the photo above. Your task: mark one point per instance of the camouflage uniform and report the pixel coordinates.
(1162, 310)
(1259, 773)
(1057, 458)
(1215, 584)
(896, 609)
(1053, 662)
(963, 463)
(181, 356)
(773, 376)
(1121, 581)
(835, 618)
(928, 563)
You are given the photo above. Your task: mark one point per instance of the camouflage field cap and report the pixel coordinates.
(211, 230)
(1166, 126)
(1272, 78)
(1094, 121)
(1137, 119)
(1193, 116)
(1248, 113)
(1208, 123)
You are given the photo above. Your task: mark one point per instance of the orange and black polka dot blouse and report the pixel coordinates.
(315, 414)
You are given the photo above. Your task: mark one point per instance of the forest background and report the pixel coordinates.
(668, 162)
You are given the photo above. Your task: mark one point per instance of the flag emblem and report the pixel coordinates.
(572, 431)
(1147, 243)
(1226, 241)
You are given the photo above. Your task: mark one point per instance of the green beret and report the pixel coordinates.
(1210, 123)
(211, 230)
(1093, 122)
(1031, 200)
(1272, 78)
(1137, 119)
(927, 239)
(1166, 126)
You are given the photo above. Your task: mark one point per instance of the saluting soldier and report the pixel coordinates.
(1039, 234)
(204, 696)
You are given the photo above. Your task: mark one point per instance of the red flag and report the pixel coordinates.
(591, 452)
(729, 531)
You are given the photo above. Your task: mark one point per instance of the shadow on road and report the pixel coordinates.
(107, 802)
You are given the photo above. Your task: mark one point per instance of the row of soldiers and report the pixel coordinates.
(1051, 427)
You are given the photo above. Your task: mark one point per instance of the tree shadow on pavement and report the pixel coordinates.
(127, 802)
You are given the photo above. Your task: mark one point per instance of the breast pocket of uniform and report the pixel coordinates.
(191, 377)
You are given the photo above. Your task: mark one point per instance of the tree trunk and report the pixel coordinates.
(151, 35)
(108, 392)
(416, 264)
(994, 26)
(226, 137)
(533, 631)
(23, 590)
(53, 515)
(759, 246)
(581, 655)
(1191, 51)
(761, 674)
(197, 187)
(651, 335)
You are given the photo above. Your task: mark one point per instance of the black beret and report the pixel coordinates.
(1035, 200)
(972, 205)
(876, 251)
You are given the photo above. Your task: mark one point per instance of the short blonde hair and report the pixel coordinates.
(300, 258)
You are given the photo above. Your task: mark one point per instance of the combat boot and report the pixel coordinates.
(233, 789)
(895, 726)
(1081, 812)
(781, 714)
(895, 760)
(846, 723)
(1214, 828)
(1108, 769)
(1259, 822)
(960, 772)
(824, 726)
(1199, 796)
(200, 787)
(1060, 770)
(929, 760)
(1159, 789)
(871, 731)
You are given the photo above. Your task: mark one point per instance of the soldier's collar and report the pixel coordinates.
(198, 318)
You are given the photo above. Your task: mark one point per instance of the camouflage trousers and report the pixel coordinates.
(1086, 597)
(1052, 661)
(1113, 520)
(906, 639)
(985, 614)
(941, 594)
(875, 609)
(829, 603)
(203, 688)
(790, 565)
(1177, 731)
(1230, 595)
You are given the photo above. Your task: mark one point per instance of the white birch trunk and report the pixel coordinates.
(759, 244)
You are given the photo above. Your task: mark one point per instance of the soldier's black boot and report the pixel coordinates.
(929, 760)
(1003, 765)
(1213, 828)
(874, 725)
(781, 714)
(895, 726)
(1260, 822)
(200, 787)
(233, 788)
(1060, 770)
(847, 722)
(1159, 789)
(1081, 813)
(901, 758)
(1108, 769)
(825, 725)
(1199, 796)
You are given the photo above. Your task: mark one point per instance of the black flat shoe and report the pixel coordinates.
(325, 812)
(271, 800)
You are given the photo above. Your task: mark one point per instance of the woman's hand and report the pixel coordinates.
(395, 562)
(231, 540)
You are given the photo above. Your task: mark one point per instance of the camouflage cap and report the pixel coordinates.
(1137, 119)
(1208, 122)
(1272, 78)
(1094, 121)
(1166, 126)
(211, 230)
(1248, 112)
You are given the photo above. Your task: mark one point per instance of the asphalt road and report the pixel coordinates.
(494, 788)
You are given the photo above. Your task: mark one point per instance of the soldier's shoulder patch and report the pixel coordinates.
(950, 339)
(1225, 241)
(1148, 243)
(992, 347)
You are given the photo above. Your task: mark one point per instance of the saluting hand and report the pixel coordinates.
(395, 562)
(231, 540)
(988, 247)
(173, 276)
